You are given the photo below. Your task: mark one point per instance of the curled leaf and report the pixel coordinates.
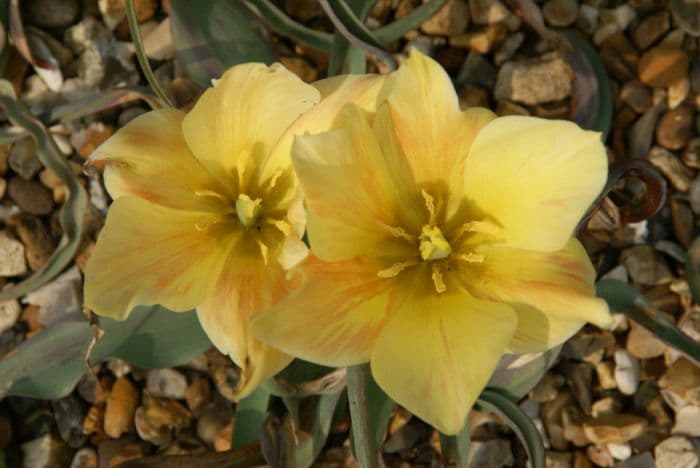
(71, 214)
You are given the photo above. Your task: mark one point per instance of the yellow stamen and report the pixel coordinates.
(395, 269)
(433, 245)
(430, 205)
(398, 232)
(438, 280)
(482, 227)
(247, 209)
(263, 249)
(273, 180)
(209, 193)
(283, 226)
(471, 257)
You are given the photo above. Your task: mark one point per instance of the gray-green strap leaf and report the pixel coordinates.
(73, 210)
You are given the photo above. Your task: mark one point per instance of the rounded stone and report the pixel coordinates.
(663, 66)
(675, 128)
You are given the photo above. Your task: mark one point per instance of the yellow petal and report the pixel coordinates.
(536, 177)
(438, 352)
(360, 90)
(149, 254)
(245, 288)
(333, 317)
(148, 158)
(557, 285)
(235, 124)
(353, 190)
(433, 133)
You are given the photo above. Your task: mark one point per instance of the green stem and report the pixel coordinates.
(287, 27)
(365, 443)
(141, 54)
(398, 28)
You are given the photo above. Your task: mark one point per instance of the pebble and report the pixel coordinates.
(626, 372)
(607, 405)
(683, 223)
(112, 453)
(672, 167)
(651, 28)
(198, 394)
(508, 48)
(662, 66)
(691, 155)
(23, 159)
(451, 19)
(560, 13)
(676, 452)
(51, 13)
(605, 371)
(47, 451)
(166, 412)
(121, 407)
(495, 453)
(620, 451)
(587, 19)
(94, 420)
(70, 413)
(86, 140)
(675, 128)
(60, 299)
(84, 458)
(694, 196)
(680, 385)
(5, 432)
(213, 417)
(636, 95)
(31, 196)
(678, 92)
(688, 421)
(147, 430)
(600, 455)
(588, 346)
(300, 67)
(12, 261)
(643, 460)
(534, 81)
(614, 428)
(39, 245)
(643, 344)
(9, 312)
(222, 442)
(488, 11)
(166, 383)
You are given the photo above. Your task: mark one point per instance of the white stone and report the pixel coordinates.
(9, 311)
(166, 383)
(620, 451)
(12, 261)
(675, 452)
(626, 372)
(59, 300)
(687, 421)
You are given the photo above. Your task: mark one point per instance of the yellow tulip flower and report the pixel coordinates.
(441, 240)
(206, 212)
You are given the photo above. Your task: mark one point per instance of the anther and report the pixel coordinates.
(395, 269)
(438, 280)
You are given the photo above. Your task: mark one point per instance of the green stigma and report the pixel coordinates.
(247, 209)
(433, 245)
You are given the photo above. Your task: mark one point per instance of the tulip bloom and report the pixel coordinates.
(206, 212)
(441, 239)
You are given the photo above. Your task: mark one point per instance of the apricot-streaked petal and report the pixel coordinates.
(245, 288)
(432, 131)
(353, 190)
(360, 90)
(148, 158)
(235, 124)
(333, 317)
(535, 177)
(559, 285)
(437, 352)
(149, 254)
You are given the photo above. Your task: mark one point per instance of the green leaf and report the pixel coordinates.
(517, 374)
(310, 445)
(522, 425)
(48, 365)
(623, 298)
(592, 106)
(100, 101)
(162, 339)
(211, 36)
(380, 408)
(411, 21)
(347, 58)
(455, 449)
(287, 27)
(249, 417)
(71, 214)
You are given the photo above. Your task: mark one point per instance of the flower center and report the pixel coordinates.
(247, 209)
(433, 245)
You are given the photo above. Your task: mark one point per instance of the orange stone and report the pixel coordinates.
(663, 66)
